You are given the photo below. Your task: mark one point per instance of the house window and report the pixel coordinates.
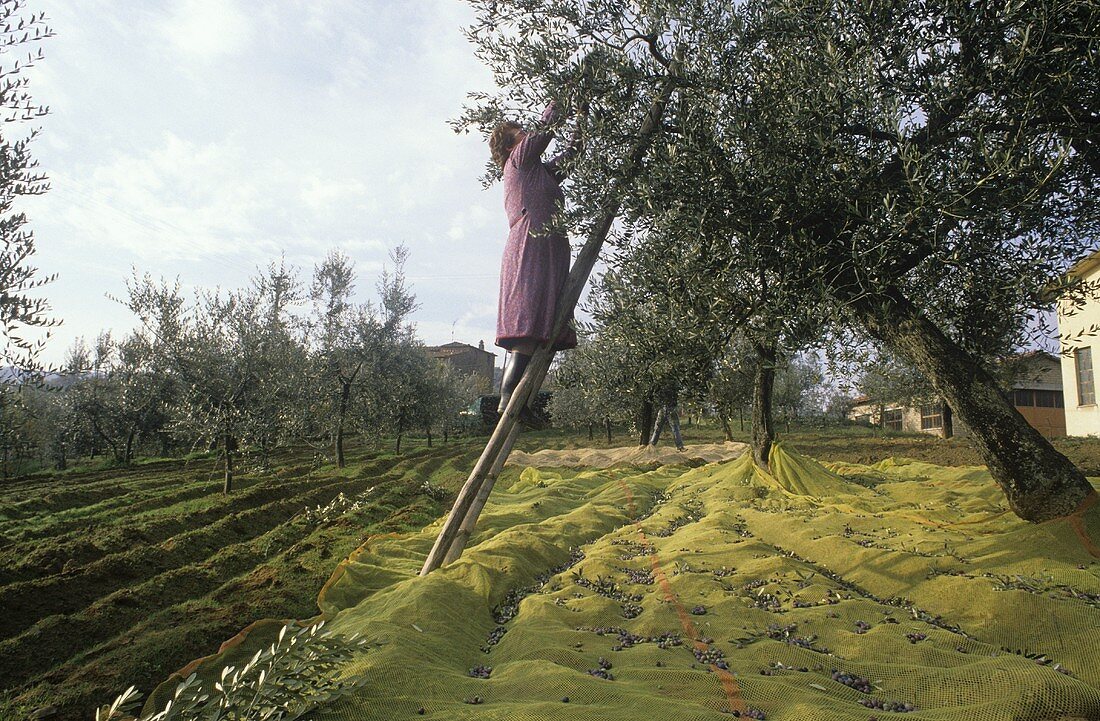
(1086, 391)
(1049, 399)
(931, 416)
(1028, 398)
(891, 420)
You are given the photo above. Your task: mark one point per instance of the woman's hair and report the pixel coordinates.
(502, 140)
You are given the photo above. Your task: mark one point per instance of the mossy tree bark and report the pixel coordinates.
(1039, 482)
(645, 422)
(763, 432)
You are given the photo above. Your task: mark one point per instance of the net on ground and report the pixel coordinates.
(900, 590)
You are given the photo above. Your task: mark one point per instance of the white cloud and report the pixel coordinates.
(178, 200)
(207, 29)
(476, 221)
(327, 194)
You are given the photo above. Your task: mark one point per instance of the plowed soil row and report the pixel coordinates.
(30, 497)
(149, 579)
(127, 502)
(120, 529)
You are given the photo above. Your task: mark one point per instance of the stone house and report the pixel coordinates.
(466, 358)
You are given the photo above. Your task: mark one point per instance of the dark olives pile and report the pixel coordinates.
(643, 577)
(629, 640)
(712, 657)
(604, 670)
(494, 638)
(856, 682)
(895, 706)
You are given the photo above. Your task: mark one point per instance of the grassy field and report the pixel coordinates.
(120, 576)
(112, 578)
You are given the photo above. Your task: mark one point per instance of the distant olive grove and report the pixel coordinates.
(241, 372)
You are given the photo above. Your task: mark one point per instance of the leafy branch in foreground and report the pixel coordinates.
(291, 677)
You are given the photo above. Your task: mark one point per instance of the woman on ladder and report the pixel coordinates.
(537, 254)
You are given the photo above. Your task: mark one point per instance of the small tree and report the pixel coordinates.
(799, 390)
(406, 400)
(731, 386)
(340, 334)
(449, 394)
(353, 347)
(213, 349)
(281, 368)
(583, 387)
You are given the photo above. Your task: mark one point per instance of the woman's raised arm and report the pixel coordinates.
(556, 166)
(530, 149)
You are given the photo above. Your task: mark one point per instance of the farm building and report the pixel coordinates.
(1036, 393)
(466, 358)
(1077, 327)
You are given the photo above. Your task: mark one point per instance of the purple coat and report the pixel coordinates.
(536, 257)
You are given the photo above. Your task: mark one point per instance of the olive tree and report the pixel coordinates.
(353, 345)
(799, 389)
(117, 396)
(21, 308)
(592, 385)
(924, 167)
(337, 328)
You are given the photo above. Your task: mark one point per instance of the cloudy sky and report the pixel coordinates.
(200, 138)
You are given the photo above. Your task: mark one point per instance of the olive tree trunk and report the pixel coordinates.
(645, 422)
(1039, 482)
(763, 432)
(228, 445)
(341, 414)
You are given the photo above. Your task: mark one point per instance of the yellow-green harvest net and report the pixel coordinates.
(816, 592)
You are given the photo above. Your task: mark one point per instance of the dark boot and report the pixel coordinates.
(508, 383)
(513, 372)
